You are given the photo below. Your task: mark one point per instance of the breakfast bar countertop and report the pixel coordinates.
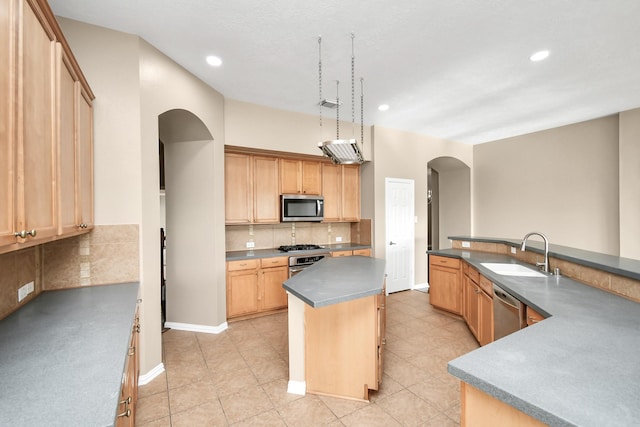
(578, 367)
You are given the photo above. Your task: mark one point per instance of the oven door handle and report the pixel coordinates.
(296, 270)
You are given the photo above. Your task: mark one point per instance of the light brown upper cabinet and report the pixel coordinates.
(300, 177)
(31, 214)
(341, 191)
(75, 149)
(7, 123)
(38, 178)
(251, 189)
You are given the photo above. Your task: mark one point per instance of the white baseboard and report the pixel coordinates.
(297, 387)
(151, 375)
(421, 286)
(197, 328)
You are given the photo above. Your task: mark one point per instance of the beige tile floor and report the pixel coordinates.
(239, 377)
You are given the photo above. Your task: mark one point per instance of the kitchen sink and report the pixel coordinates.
(507, 269)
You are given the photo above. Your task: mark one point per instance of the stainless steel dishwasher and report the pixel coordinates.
(508, 313)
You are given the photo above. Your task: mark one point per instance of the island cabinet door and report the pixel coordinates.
(341, 351)
(382, 330)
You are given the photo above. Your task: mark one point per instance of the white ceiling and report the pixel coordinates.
(453, 69)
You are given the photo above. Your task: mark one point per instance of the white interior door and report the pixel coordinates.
(400, 233)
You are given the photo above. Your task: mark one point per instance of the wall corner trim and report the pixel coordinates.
(297, 387)
(151, 375)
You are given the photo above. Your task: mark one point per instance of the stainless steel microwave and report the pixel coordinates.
(301, 207)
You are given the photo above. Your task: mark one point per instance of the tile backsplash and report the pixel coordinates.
(17, 269)
(267, 236)
(107, 254)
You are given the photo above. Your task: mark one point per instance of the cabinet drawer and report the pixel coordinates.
(245, 264)
(444, 261)
(362, 252)
(274, 262)
(341, 253)
(473, 274)
(486, 285)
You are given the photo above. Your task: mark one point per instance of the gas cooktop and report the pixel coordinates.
(294, 248)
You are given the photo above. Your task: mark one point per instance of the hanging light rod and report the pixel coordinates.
(341, 151)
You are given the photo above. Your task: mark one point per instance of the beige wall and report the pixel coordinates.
(630, 184)
(405, 155)
(134, 83)
(562, 182)
(281, 130)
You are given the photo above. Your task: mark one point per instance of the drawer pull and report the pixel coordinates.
(532, 320)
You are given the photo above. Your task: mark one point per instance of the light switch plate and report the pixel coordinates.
(338, 239)
(513, 250)
(251, 245)
(466, 244)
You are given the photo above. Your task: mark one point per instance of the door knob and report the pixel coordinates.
(392, 243)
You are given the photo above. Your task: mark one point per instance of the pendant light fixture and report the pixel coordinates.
(342, 151)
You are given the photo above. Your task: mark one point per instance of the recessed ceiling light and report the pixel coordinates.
(539, 56)
(214, 61)
(383, 107)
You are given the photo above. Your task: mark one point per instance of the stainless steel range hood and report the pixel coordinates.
(342, 151)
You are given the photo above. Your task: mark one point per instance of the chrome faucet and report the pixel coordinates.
(545, 264)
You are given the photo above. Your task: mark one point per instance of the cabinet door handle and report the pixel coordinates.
(24, 233)
(126, 413)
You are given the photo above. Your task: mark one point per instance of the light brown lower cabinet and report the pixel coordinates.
(478, 304)
(445, 283)
(533, 316)
(344, 347)
(255, 286)
(126, 413)
(478, 409)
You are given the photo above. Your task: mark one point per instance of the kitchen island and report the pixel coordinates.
(63, 356)
(579, 367)
(336, 327)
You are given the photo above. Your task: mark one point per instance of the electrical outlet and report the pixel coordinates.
(338, 239)
(466, 244)
(25, 290)
(513, 250)
(251, 245)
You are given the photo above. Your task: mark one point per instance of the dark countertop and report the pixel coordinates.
(578, 367)
(335, 280)
(626, 267)
(271, 253)
(63, 354)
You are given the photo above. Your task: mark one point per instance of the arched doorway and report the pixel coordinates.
(449, 201)
(188, 207)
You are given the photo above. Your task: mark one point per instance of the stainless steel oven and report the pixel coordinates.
(303, 256)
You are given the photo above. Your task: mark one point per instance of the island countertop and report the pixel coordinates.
(579, 367)
(63, 354)
(335, 280)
